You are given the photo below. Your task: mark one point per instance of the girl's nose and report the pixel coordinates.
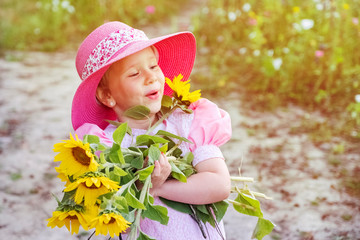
(150, 77)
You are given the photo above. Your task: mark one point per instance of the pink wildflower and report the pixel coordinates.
(319, 53)
(355, 21)
(150, 9)
(252, 21)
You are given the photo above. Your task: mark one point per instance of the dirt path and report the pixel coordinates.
(36, 90)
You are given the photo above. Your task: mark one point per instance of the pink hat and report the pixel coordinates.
(111, 42)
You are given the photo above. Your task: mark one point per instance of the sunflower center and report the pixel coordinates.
(112, 220)
(94, 186)
(80, 156)
(72, 217)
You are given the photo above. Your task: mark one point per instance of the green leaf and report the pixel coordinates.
(262, 228)
(164, 148)
(204, 217)
(189, 157)
(154, 155)
(164, 110)
(115, 123)
(166, 101)
(147, 140)
(248, 205)
(132, 201)
(138, 112)
(143, 236)
(137, 162)
(115, 154)
(168, 134)
(156, 213)
(120, 204)
(119, 133)
(130, 217)
(145, 172)
(91, 139)
(178, 206)
(176, 173)
(202, 208)
(220, 209)
(101, 147)
(134, 156)
(102, 158)
(185, 108)
(112, 175)
(119, 171)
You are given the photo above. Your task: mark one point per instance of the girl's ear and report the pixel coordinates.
(103, 96)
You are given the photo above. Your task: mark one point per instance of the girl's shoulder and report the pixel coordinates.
(93, 129)
(208, 112)
(208, 124)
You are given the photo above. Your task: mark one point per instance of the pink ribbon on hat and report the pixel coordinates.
(108, 47)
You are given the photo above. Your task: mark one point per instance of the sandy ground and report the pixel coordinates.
(35, 99)
(36, 91)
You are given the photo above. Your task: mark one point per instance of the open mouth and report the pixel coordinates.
(153, 94)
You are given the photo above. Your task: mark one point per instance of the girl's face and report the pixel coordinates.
(136, 80)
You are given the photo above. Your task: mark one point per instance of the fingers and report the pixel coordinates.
(160, 174)
(165, 165)
(157, 169)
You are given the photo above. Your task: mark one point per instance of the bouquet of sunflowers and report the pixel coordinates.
(102, 183)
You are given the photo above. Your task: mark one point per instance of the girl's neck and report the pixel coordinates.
(140, 124)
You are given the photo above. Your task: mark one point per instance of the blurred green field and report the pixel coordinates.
(283, 53)
(275, 53)
(49, 25)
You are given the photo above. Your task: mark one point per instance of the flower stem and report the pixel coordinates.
(163, 117)
(242, 179)
(127, 185)
(136, 224)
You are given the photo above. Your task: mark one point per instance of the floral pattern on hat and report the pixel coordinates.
(108, 47)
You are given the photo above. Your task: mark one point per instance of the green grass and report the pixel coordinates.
(278, 53)
(49, 25)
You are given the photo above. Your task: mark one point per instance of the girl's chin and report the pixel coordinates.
(154, 108)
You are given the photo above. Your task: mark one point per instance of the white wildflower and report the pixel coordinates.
(246, 7)
(242, 51)
(297, 27)
(37, 31)
(205, 10)
(319, 6)
(232, 16)
(252, 35)
(307, 24)
(220, 12)
(270, 52)
(357, 98)
(286, 50)
(277, 62)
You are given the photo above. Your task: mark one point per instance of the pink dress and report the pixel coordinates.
(208, 128)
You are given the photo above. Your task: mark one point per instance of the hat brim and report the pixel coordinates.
(176, 56)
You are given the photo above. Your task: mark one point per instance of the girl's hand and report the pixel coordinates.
(161, 172)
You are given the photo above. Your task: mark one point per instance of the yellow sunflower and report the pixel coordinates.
(182, 89)
(71, 219)
(109, 222)
(62, 175)
(89, 188)
(75, 156)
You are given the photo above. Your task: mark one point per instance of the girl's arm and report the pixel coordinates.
(210, 184)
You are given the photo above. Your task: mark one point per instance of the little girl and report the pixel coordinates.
(121, 68)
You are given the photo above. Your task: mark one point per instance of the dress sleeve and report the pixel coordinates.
(210, 128)
(92, 129)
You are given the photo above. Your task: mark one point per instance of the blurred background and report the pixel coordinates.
(287, 71)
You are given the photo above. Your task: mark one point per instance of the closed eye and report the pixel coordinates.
(154, 66)
(133, 74)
